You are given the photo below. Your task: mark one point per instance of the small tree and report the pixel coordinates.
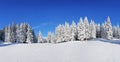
(50, 38)
(40, 38)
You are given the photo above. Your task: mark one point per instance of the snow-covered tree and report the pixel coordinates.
(116, 31)
(98, 30)
(73, 31)
(67, 32)
(50, 38)
(6, 34)
(9, 34)
(81, 30)
(22, 34)
(103, 31)
(109, 31)
(30, 38)
(18, 33)
(59, 33)
(40, 38)
(92, 30)
(87, 32)
(13, 33)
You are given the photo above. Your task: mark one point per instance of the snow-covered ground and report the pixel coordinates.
(74, 51)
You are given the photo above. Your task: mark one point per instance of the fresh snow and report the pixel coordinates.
(74, 51)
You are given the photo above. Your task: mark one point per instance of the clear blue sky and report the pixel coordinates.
(45, 15)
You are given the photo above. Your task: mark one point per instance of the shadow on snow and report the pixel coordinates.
(110, 41)
(3, 45)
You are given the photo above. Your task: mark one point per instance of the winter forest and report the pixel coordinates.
(83, 30)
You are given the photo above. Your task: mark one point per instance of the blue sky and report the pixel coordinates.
(45, 15)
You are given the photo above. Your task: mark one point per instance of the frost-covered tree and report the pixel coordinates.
(98, 30)
(9, 34)
(81, 30)
(50, 38)
(59, 33)
(22, 34)
(67, 32)
(103, 31)
(92, 30)
(30, 38)
(13, 33)
(6, 34)
(87, 32)
(18, 33)
(73, 31)
(116, 32)
(40, 38)
(109, 31)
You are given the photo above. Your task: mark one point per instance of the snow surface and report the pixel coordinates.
(74, 51)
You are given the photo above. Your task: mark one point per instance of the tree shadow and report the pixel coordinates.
(4, 45)
(110, 41)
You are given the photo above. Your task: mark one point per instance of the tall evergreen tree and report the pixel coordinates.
(109, 31)
(67, 32)
(98, 30)
(81, 30)
(87, 32)
(73, 31)
(13, 33)
(92, 30)
(30, 38)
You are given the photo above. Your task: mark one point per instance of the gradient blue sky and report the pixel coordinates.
(45, 15)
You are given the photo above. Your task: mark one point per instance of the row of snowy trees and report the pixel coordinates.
(83, 30)
(20, 33)
(80, 31)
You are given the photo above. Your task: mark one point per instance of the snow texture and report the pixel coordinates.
(74, 51)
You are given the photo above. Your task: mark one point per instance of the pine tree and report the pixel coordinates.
(117, 32)
(50, 38)
(13, 33)
(9, 34)
(30, 38)
(86, 24)
(22, 34)
(40, 38)
(92, 30)
(18, 33)
(59, 33)
(6, 34)
(67, 32)
(73, 31)
(109, 31)
(103, 32)
(81, 30)
(98, 31)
